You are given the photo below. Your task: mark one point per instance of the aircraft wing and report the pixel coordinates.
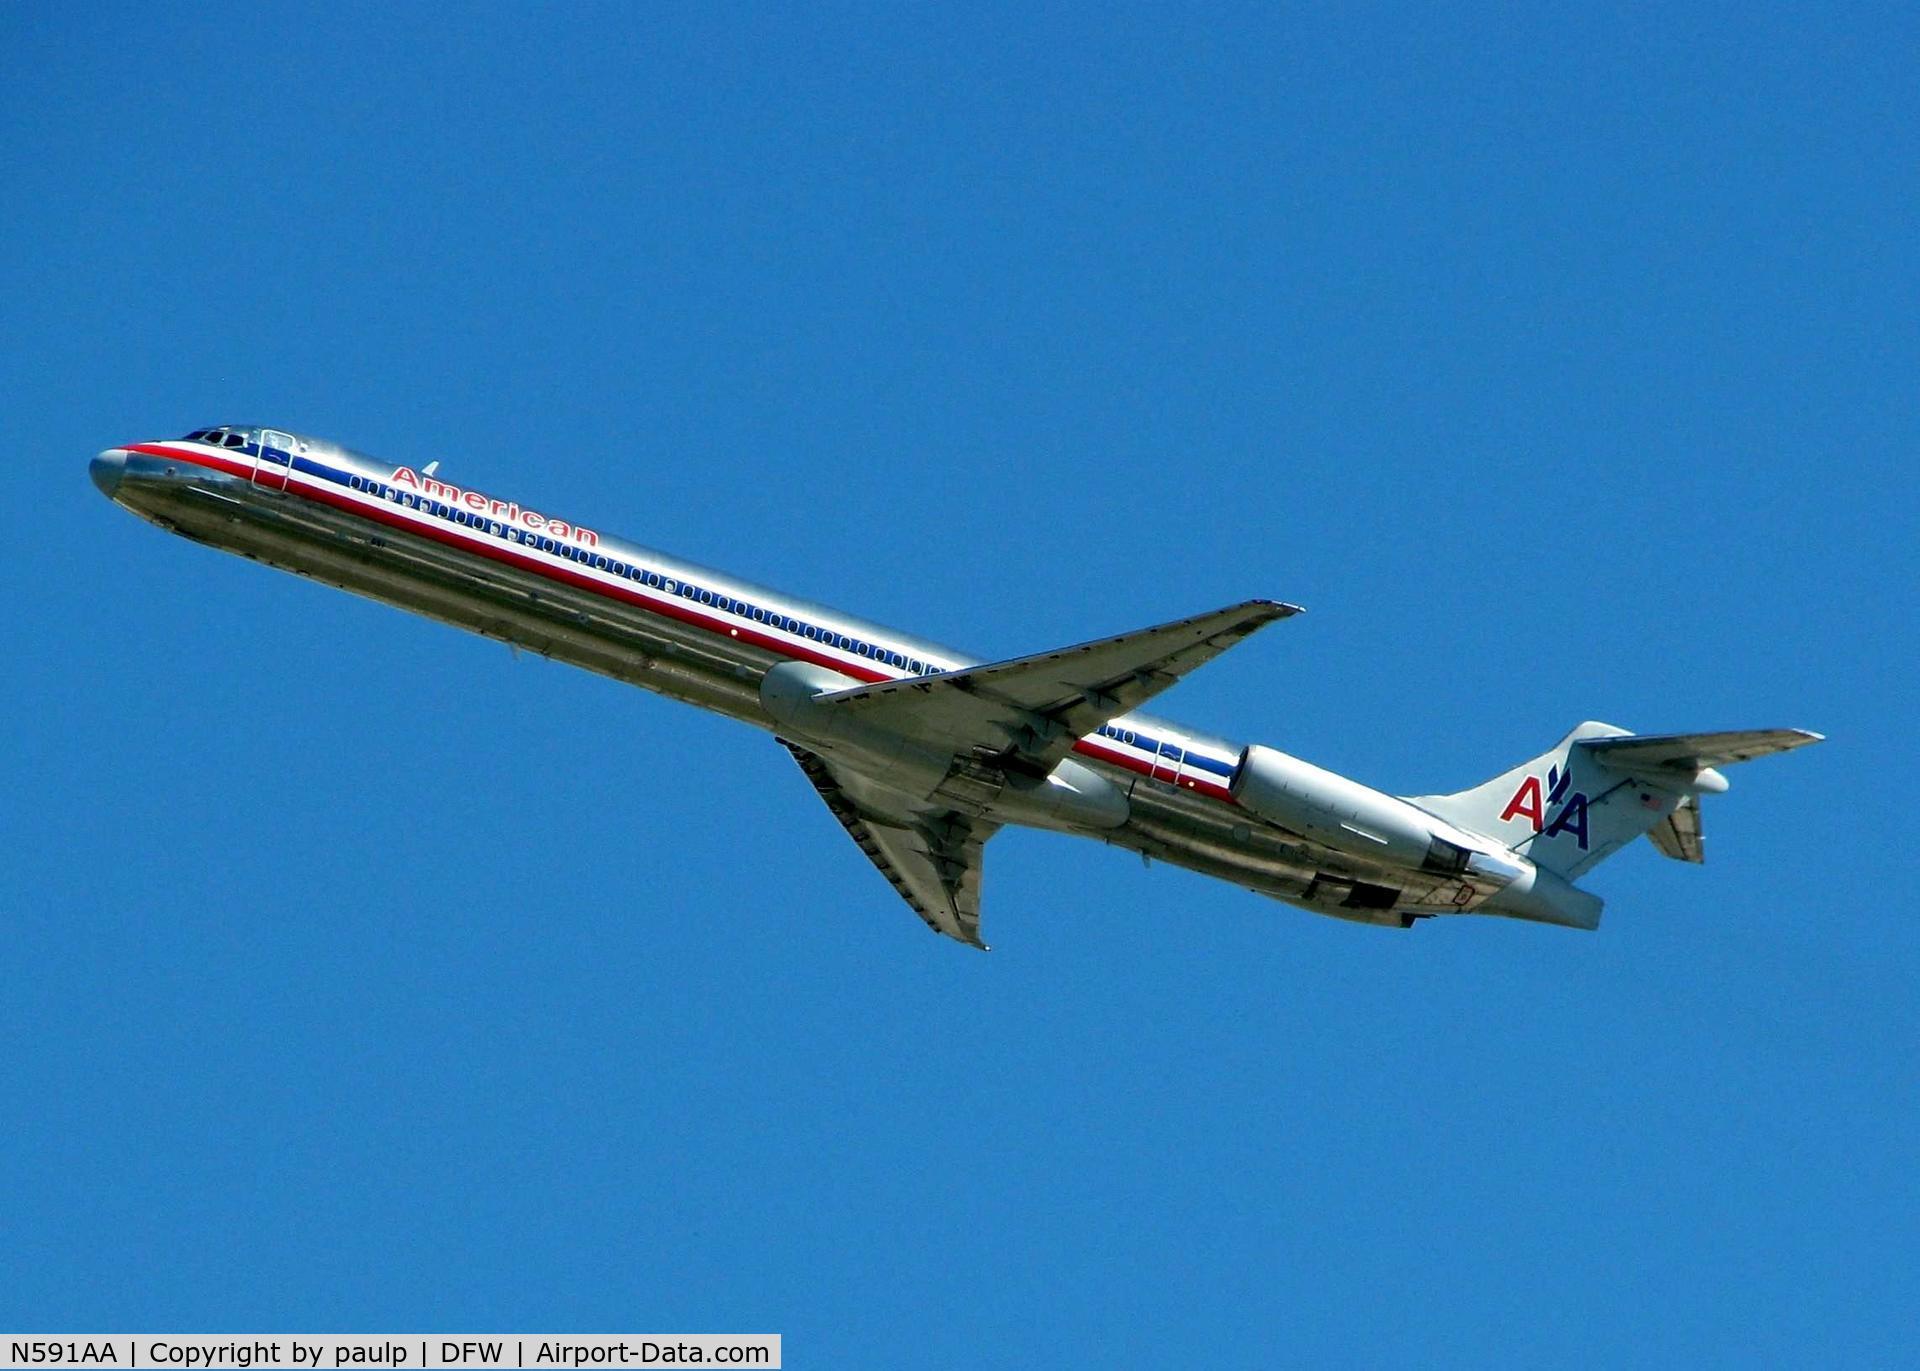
(931, 855)
(1035, 708)
(1695, 751)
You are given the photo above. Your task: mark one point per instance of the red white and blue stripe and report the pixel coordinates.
(616, 572)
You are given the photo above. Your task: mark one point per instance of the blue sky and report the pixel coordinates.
(1562, 363)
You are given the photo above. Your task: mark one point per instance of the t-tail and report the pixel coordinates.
(1595, 791)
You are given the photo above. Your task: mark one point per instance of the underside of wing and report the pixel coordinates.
(931, 856)
(1036, 707)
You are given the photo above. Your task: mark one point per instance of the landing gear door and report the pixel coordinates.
(273, 459)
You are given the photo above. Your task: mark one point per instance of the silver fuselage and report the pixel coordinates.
(577, 595)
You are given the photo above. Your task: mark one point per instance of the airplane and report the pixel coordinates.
(923, 753)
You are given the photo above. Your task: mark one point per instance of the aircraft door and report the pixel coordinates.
(273, 459)
(1169, 760)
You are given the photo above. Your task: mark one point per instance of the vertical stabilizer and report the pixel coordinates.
(1600, 787)
(1564, 810)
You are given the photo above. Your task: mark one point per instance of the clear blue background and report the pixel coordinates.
(363, 977)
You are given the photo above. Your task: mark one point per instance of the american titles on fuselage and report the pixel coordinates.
(431, 496)
(477, 513)
(436, 489)
(920, 754)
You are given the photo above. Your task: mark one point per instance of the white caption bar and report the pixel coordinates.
(390, 1351)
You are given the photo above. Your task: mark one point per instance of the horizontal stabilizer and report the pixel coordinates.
(1678, 835)
(1693, 752)
(1039, 706)
(1600, 787)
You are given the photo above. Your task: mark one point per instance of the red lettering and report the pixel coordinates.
(1526, 804)
(405, 477)
(473, 499)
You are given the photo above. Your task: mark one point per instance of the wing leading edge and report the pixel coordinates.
(1023, 715)
(1035, 708)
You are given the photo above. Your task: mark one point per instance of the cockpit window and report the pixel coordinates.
(234, 440)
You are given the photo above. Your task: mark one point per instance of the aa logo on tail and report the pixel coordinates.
(1531, 802)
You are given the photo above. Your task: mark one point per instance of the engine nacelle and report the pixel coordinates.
(1347, 816)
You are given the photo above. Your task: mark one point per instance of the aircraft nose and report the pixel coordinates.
(107, 469)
